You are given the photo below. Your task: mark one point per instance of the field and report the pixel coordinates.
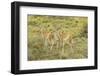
(57, 37)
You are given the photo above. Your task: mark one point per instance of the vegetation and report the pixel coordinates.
(57, 37)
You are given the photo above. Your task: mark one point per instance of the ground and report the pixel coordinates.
(45, 33)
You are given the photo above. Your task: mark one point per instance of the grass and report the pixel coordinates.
(74, 48)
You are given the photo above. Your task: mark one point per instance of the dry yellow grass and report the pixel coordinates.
(57, 37)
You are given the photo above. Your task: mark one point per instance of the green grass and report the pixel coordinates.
(74, 25)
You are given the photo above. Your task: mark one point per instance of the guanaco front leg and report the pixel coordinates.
(52, 44)
(62, 50)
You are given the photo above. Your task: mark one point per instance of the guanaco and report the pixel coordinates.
(66, 38)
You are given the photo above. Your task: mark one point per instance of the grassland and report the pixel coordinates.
(57, 37)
